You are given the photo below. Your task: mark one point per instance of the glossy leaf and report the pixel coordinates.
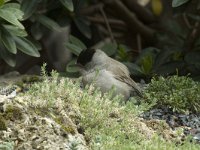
(15, 30)
(146, 52)
(29, 7)
(15, 9)
(36, 44)
(73, 48)
(77, 42)
(47, 22)
(170, 67)
(83, 27)
(109, 48)
(175, 28)
(11, 15)
(123, 53)
(68, 4)
(176, 3)
(163, 57)
(134, 69)
(8, 41)
(147, 64)
(193, 58)
(193, 16)
(26, 46)
(71, 67)
(7, 56)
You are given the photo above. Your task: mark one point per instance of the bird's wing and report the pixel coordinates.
(122, 74)
(130, 82)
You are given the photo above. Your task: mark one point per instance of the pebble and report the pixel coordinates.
(190, 122)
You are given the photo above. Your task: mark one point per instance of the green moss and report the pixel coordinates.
(13, 113)
(67, 127)
(2, 123)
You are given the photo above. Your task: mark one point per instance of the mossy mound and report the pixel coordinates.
(180, 93)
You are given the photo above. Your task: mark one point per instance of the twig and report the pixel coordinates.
(187, 21)
(143, 13)
(139, 42)
(110, 21)
(107, 25)
(91, 9)
(130, 18)
(192, 37)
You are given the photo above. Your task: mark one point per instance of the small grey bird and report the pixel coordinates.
(104, 72)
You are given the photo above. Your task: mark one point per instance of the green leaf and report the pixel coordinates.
(147, 64)
(109, 48)
(83, 26)
(15, 30)
(170, 67)
(8, 41)
(7, 56)
(176, 3)
(77, 42)
(193, 16)
(47, 22)
(123, 53)
(29, 7)
(15, 9)
(175, 28)
(71, 67)
(134, 69)
(26, 46)
(2, 2)
(163, 57)
(73, 48)
(193, 58)
(146, 52)
(36, 43)
(68, 4)
(11, 15)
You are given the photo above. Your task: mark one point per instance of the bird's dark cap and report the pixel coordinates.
(85, 56)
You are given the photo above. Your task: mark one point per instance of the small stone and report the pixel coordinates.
(197, 137)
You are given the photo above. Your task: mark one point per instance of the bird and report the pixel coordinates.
(106, 73)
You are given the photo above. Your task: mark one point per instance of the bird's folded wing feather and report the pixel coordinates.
(121, 73)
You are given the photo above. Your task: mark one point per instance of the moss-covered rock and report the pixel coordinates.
(13, 113)
(2, 123)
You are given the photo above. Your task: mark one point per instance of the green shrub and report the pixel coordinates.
(180, 93)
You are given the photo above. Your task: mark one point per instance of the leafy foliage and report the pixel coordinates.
(176, 3)
(13, 34)
(24, 25)
(179, 93)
